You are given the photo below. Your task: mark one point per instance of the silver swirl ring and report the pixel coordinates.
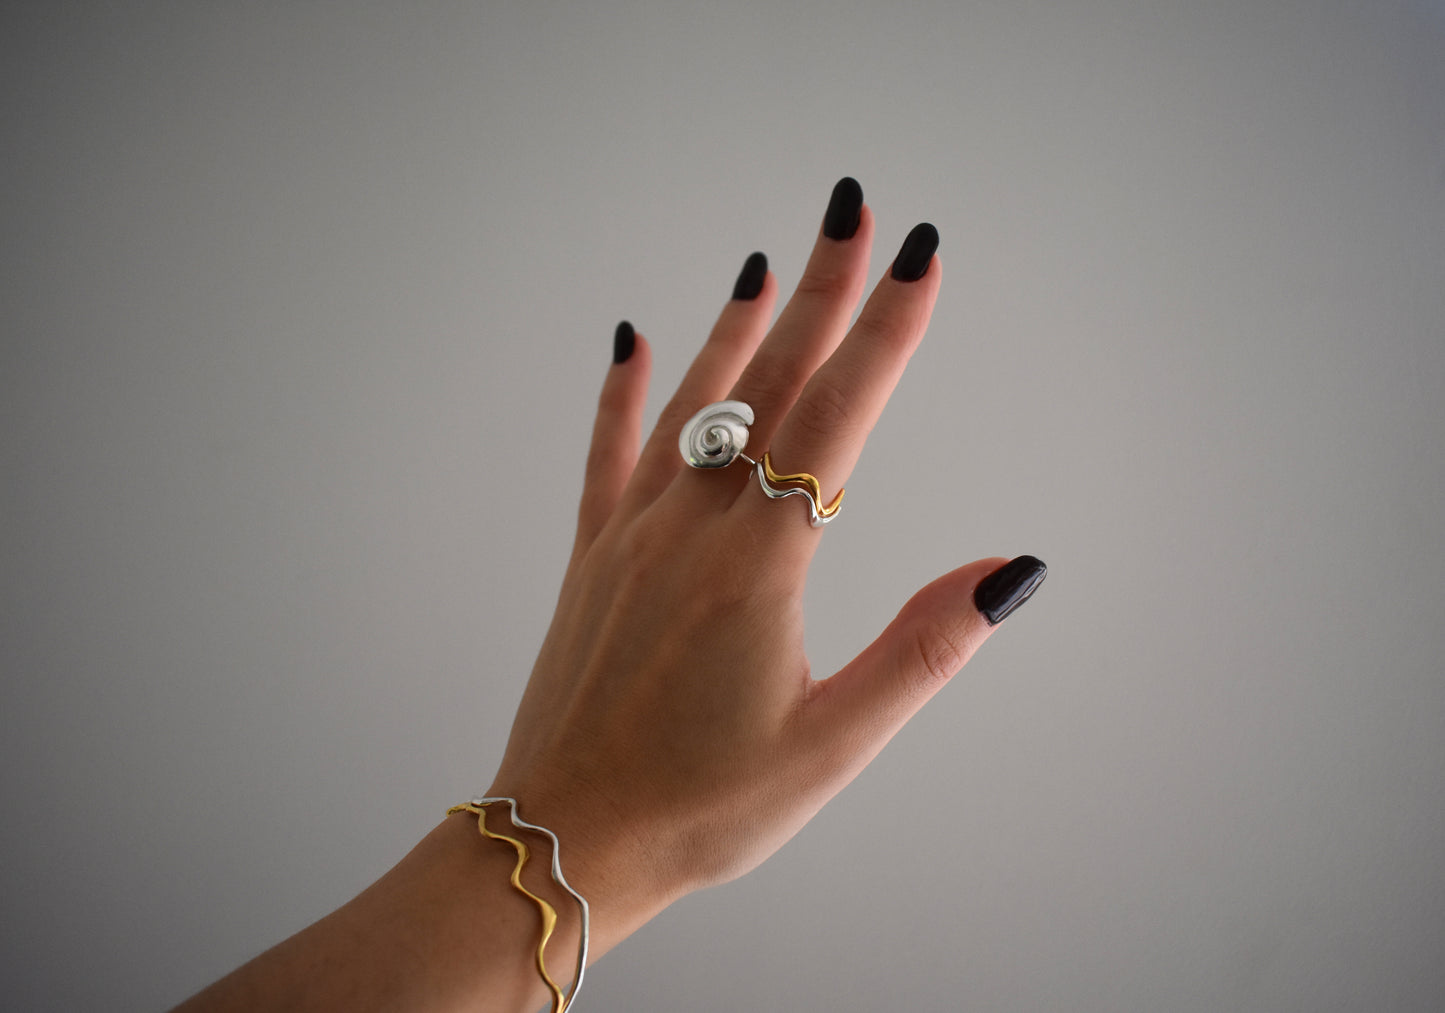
(715, 437)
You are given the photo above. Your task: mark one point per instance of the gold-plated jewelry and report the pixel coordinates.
(549, 913)
(802, 484)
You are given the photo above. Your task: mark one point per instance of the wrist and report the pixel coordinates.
(605, 860)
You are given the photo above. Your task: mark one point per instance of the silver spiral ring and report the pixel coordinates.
(715, 437)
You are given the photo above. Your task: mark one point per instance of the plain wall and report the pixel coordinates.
(305, 308)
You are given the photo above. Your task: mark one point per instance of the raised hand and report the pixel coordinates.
(673, 733)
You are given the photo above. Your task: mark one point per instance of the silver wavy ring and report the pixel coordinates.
(715, 437)
(777, 486)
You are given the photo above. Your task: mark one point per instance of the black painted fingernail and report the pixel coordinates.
(623, 342)
(751, 278)
(916, 253)
(1008, 587)
(845, 209)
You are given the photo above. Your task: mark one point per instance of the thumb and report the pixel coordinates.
(859, 709)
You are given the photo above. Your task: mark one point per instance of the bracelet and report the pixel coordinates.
(560, 1002)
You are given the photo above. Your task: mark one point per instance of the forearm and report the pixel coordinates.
(443, 929)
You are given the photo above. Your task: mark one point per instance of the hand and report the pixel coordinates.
(672, 733)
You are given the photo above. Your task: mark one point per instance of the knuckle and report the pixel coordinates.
(877, 331)
(635, 551)
(636, 565)
(826, 412)
(672, 417)
(826, 285)
(675, 414)
(768, 381)
(939, 654)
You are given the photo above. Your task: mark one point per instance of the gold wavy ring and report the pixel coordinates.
(777, 486)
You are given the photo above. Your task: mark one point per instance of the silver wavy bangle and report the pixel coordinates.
(481, 802)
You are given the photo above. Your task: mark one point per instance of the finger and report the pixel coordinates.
(824, 432)
(859, 709)
(816, 317)
(738, 331)
(616, 433)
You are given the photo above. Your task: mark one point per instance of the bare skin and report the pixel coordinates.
(672, 733)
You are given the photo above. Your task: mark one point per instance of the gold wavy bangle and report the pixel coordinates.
(549, 913)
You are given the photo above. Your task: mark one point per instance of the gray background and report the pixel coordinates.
(305, 309)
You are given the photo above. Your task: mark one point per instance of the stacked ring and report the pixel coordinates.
(777, 486)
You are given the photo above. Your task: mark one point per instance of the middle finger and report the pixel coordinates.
(816, 317)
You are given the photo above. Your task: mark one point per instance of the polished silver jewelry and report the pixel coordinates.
(715, 437)
(802, 484)
(561, 880)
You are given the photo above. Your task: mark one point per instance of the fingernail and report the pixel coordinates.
(916, 254)
(623, 342)
(751, 278)
(845, 209)
(1008, 587)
